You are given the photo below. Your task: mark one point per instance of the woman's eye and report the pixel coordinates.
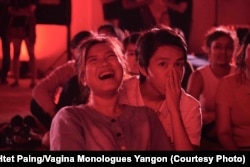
(217, 47)
(179, 64)
(162, 64)
(230, 48)
(223, 47)
(91, 60)
(130, 53)
(112, 56)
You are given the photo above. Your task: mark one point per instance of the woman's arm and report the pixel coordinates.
(195, 88)
(223, 127)
(45, 91)
(223, 119)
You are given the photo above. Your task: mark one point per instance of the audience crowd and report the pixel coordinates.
(130, 86)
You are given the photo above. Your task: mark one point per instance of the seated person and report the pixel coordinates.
(110, 30)
(162, 55)
(219, 45)
(43, 105)
(233, 104)
(129, 45)
(71, 91)
(71, 94)
(104, 124)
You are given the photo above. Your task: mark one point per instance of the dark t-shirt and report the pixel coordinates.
(182, 20)
(136, 19)
(112, 10)
(4, 17)
(20, 21)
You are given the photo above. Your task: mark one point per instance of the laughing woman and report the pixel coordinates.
(103, 124)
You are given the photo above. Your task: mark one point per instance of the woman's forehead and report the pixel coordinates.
(169, 52)
(100, 48)
(223, 39)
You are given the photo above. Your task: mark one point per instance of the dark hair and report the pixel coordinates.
(216, 32)
(80, 36)
(240, 59)
(108, 27)
(150, 40)
(241, 32)
(16, 120)
(131, 38)
(29, 121)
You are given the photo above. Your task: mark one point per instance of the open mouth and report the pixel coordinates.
(106, 75)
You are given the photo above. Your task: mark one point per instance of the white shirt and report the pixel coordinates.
(190, 110)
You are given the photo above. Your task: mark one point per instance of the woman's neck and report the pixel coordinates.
(151, 97)
(247, 76)
(220, 70)
(107, 105)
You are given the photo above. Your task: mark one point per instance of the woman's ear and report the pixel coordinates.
(83, 80)
(142, 70)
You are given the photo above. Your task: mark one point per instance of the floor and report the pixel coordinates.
(14, 101)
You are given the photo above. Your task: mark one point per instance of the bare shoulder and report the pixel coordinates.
(195, 84)
(186, 98)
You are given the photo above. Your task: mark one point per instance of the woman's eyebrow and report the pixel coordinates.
(90, 56)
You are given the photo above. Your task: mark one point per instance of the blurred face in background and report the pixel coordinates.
(130, 57)
(221, 51)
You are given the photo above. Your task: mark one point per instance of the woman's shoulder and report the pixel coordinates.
(131, 80)
(203, 69)
(188, 100)
(71, 111)
(231, 79)
(138, 111)
(190, 108)
(139, 108)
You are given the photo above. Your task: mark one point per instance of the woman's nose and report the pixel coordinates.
(104, 62)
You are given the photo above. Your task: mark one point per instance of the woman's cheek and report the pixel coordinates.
(182, 71)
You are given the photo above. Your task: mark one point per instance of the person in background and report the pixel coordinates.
(180, 14)
(136, 15)
(241, 32)
(157, 7)
(129, 45)
(110, 30)
(103, 123)
(220, 44)
(4, 19)
(22, 27)
(112, 11)
(233, 103)
(162, 55)
(43, 105)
